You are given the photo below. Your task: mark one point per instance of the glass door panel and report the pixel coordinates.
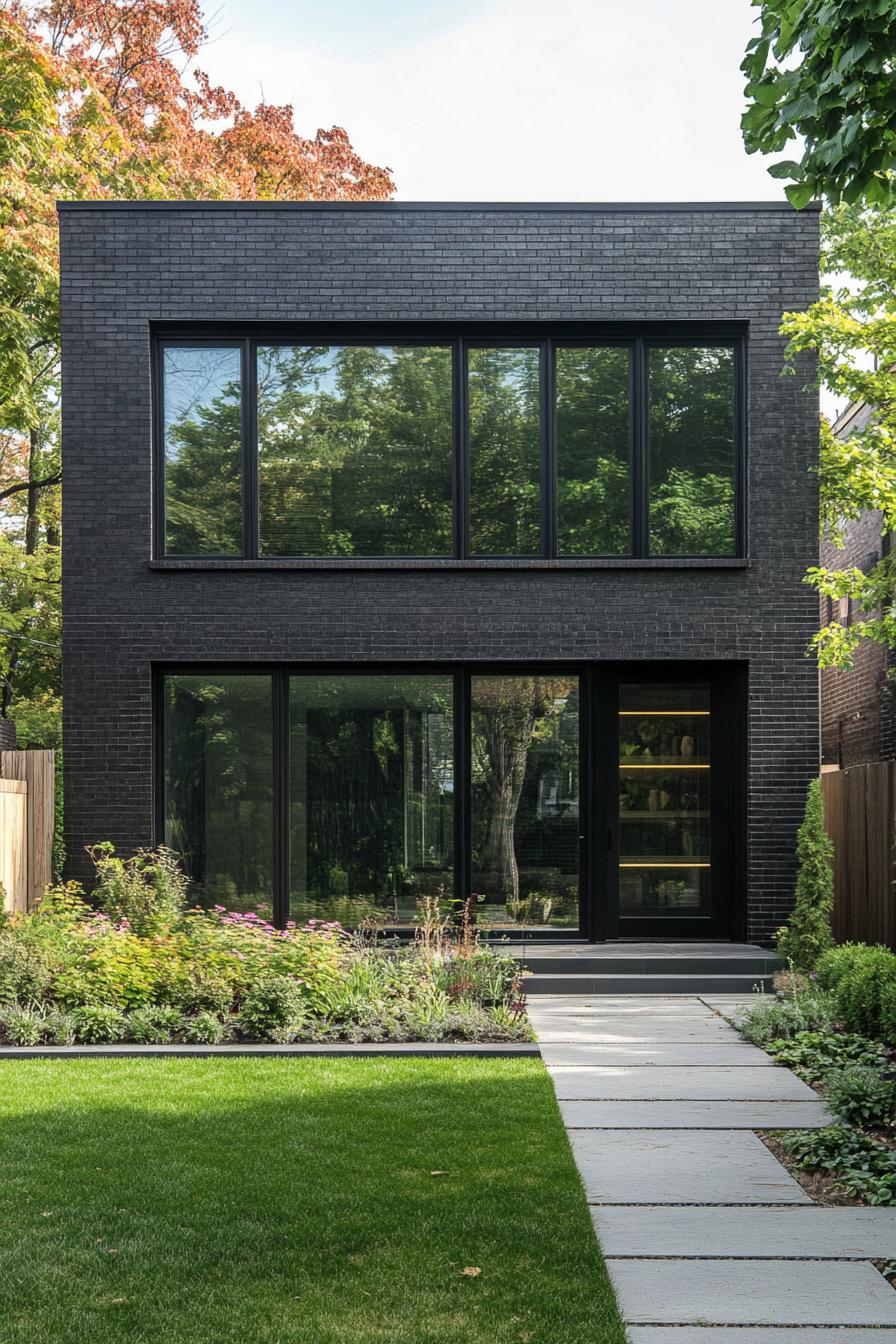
(665, 860)
(371, 814)
(524, 798)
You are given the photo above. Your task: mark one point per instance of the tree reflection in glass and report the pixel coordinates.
(592, 410)
(355, 450)
(371, 796)
(218, 757)
(503, 389)
(525, 799)
(692, 450)
(201, 396)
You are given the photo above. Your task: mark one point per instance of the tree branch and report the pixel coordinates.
(28, 485)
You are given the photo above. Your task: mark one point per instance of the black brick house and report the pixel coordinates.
(424, 552)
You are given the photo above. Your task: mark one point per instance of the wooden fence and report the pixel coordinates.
(27, 820)
(860, 817)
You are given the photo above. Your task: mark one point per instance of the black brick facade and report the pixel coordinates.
(126, 267)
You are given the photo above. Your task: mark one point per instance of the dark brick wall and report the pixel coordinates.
(124, 268)
(858, 715)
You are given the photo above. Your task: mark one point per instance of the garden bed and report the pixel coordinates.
(140, 966)
(837, 1031)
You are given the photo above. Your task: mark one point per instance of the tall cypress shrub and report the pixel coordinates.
(808, 933)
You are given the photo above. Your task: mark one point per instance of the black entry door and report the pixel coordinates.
(667, 753)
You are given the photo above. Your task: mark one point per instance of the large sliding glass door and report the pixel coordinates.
(598, 802)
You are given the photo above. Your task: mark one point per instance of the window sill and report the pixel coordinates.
(352, 564)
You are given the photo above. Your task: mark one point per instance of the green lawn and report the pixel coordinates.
(286, 1200)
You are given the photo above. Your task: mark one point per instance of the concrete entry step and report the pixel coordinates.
(645, 968)
(655, 983)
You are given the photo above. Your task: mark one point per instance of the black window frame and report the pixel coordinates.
(639, 338)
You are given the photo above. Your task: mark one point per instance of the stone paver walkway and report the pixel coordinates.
(707, 1237)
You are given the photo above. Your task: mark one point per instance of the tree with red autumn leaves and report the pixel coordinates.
(96, 103)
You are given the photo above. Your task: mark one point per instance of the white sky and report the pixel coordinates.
(511, 99)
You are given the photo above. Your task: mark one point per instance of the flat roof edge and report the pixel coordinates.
(489, 207)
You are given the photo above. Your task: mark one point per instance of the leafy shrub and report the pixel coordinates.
(860, 1095)
(98, 1024)
(25, 974)
(59, 1028)
(111, 966)
(273, 1009)
(204, 1029)
(864, 1167)
(862, 979)
(147, 891)
(814, 1054)
(23, 1023)
(807, 934)
(153, 1025)
(774, 1019)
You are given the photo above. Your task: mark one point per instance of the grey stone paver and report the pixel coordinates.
(802, 1232)
(752, 1292)
(694, 1114)
(631, 1083)
(745, 1334)
(734, 1054)
(610, 1030)
(674, 1166)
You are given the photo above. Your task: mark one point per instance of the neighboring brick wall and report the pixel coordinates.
(858, 716)
(124, 268)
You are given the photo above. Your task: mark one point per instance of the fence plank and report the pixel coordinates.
(38, 769)
(14, 845)
(860, 818)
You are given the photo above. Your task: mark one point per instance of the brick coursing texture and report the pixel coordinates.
(125, 268)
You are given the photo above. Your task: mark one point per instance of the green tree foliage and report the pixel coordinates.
(99, 101)
(851, 332)
(807, 935)
(823, 71)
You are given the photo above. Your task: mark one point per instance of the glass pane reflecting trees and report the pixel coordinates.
(355, 450)
(592, 410)
(692, 450)
(202, 433)
(218, 764)
(504, 394)
(371, 816)
(524, 736)
(363, 450)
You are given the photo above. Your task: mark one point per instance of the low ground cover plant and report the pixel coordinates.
(864, 1166)
(834, 1032)
(137, 964)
